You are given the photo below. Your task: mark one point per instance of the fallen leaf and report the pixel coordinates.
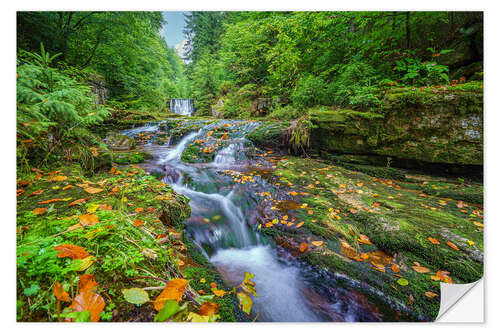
(138, 223)
(89, 301)
(395, 267)
(433, 240)
(363, 239)
(67, 187)
(430, 294)
(173, 290)
(37, 192)
(50, 201)
(303, 247)
(87, 282)
(39, 211)
(208, 309)
(71, 250)
(59, 292)
(93, 190)
(218, 292)
(402, 282)
(421, 269)
(453, 246)
(245, 302)
(300, 224)
(135, 296)
(317, 243)
(76, 202)
(88, 219)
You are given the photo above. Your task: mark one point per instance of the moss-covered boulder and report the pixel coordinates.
(434, 125)
(116, 141)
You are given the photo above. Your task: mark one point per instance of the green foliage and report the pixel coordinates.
(307, 59)
(53, 109)
(414, 71)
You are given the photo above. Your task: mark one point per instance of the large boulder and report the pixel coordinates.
(116, 141)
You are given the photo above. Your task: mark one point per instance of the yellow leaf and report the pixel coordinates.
(93, 190)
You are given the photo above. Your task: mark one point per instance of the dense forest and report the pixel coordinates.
(313, 149)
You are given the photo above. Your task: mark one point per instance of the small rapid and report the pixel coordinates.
(224, 202)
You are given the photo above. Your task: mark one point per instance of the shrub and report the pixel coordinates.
(53, 109)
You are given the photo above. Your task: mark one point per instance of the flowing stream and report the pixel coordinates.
(223, 226)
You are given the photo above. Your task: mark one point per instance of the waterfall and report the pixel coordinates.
(182, 106)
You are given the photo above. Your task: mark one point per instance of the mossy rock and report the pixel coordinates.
(117, 141)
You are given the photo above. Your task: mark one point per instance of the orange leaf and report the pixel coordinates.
(113, 169)
(37, 192)
(93, 190)
(421, 269)
(173, 290)
(317, 243)
(217, 292)
(105, 207)
(453, 246)
(88, 219)
(303, 247)
(395, 267)
(138, 223)
(433, 240)
(430, 294)
(139, 210)
(310, 212)
(269, 224)
(39, 211)
(478, 224)
(67, 187)
(76, 202)
(363, 239)
(50, 201)
(87, 282)
(59, 292)
(89, 301)
(300, 224)
(71, 250)
(208, 309)
(115, 189)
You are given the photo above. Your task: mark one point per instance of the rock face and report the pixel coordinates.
(432, 125)
(117, 141)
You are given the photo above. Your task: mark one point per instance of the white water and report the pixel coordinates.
(176, 152)
(277, 285)
(182, 106)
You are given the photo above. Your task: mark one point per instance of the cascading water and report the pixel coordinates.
(220, 226)
(182, 106)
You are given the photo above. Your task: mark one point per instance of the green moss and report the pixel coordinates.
(133, 157)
